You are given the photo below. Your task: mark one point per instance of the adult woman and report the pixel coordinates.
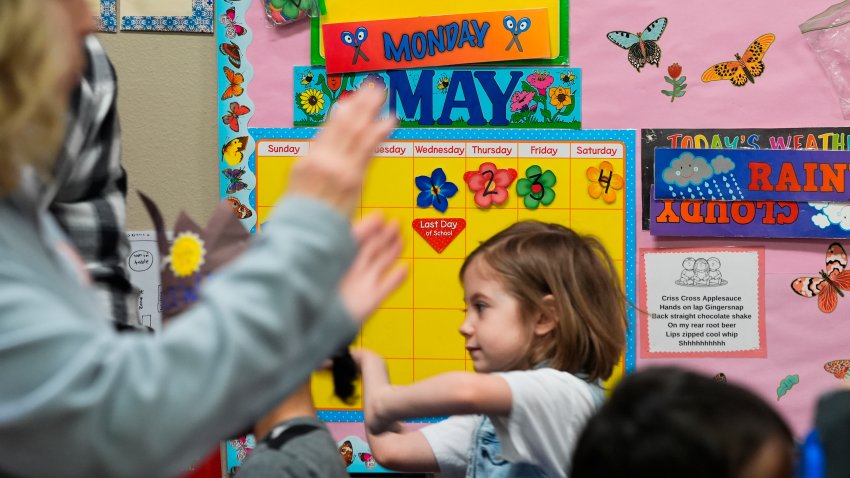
(79, 400)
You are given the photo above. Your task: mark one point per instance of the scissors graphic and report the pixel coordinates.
(516, 28)
(356, 41)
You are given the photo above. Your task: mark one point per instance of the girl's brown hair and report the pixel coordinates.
(32, 113)
(533, 260)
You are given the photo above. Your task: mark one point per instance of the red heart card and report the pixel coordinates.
(439, 232)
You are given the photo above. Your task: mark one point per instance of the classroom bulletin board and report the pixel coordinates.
(785, 347)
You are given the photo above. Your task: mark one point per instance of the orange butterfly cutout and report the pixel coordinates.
(838, 368)
(232, 119)
(831, 283)
(745, 68)
(235, 88)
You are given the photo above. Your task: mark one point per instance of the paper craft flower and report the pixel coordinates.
(490, 184)
(540, 80)
(187, 254)
(312, 101)
(521, 99)
(435, 191)
(604, 182)
(536, 187)
(560, 97)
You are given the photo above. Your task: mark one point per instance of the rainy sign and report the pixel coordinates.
(751, 175)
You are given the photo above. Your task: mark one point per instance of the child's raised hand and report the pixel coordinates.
(334, 168)
(375, 383)
(372, 276)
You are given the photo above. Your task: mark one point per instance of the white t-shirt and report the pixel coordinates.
(548, 411)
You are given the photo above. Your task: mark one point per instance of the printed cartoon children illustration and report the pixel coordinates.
(701, 272)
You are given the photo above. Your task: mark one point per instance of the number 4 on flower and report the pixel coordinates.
(604, 182)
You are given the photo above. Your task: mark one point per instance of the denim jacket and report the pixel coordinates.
(486, 459)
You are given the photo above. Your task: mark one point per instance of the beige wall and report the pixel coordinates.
(167, 101)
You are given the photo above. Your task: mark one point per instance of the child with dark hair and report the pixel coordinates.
(668, 422)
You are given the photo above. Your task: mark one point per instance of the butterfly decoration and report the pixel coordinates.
(367, 460)
(235, 88)
(231, 28)
(231, 152)
(240, 210)
(235, 177)
(642, 46)
(838, 368)
(346, 451)
(232, 119)
(746, 67)
(831, 282)
(307, 78)
(232, 52)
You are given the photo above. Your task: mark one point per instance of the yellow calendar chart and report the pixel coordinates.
(578, 182)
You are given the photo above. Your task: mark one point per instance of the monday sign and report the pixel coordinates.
(519, 34)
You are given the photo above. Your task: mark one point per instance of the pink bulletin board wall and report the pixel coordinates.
(792, 92)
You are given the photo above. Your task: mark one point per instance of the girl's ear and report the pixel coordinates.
(547, 318)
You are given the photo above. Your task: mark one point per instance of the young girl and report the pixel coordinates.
(545, 321)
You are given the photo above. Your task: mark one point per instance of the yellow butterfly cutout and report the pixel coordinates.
(745, 67)
(232, 151)
(235, 88)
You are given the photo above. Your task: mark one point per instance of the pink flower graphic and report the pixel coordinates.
(540, 80)
(490, 184)
(520, 100)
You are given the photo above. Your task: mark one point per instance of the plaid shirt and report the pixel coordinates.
(88, 196)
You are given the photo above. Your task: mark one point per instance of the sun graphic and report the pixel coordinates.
(187, 254)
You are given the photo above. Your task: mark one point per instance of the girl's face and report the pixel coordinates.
(497, 338)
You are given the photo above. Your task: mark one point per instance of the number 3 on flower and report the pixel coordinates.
(604, 182)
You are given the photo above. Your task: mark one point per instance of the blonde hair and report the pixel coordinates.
(534, 260)
(32, 111)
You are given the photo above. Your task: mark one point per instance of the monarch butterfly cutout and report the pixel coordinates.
(232, 119)
(642, 46)
(746, 67)
(231, 28)
(235, 88)
(831, 283)
(235, 177)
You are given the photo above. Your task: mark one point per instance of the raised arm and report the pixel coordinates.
(453, 393)
(100, 404)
